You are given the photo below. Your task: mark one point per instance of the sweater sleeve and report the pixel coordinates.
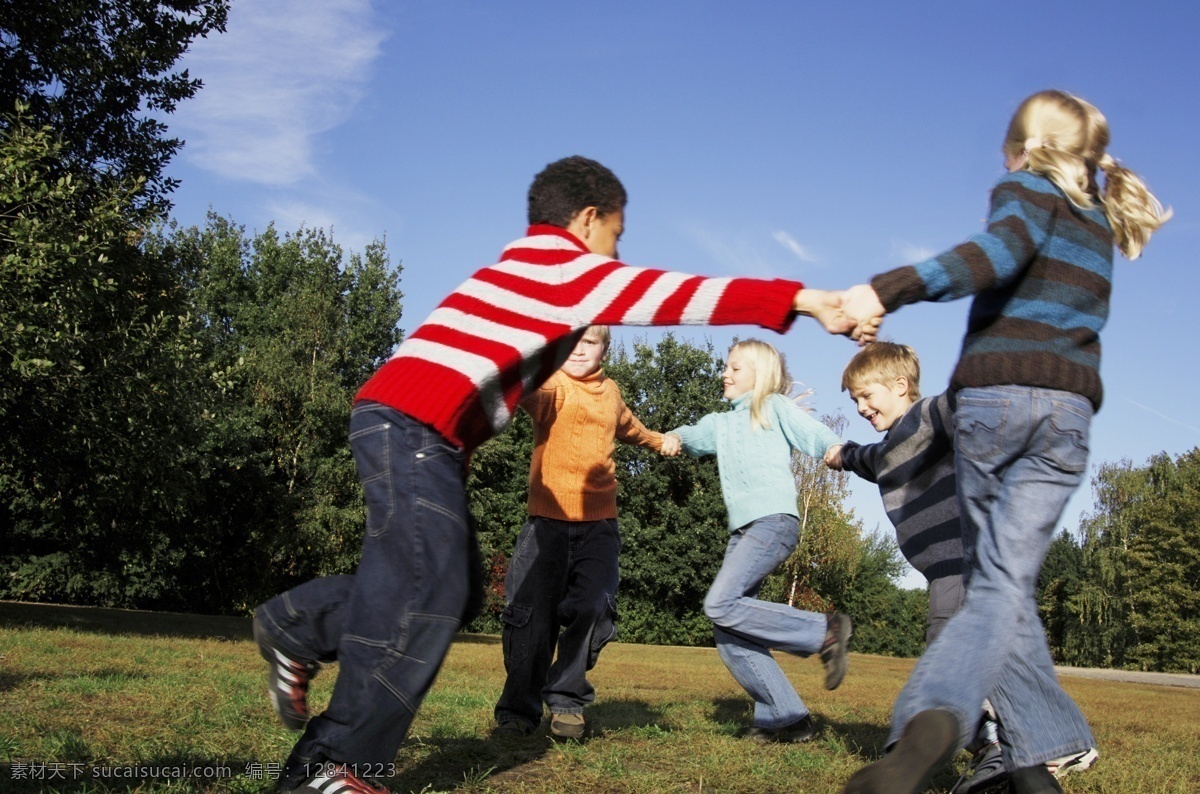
(701, 438)
(801, 429)
(863, 459)
(627, 295)
(630, 429)
(1019, 221)
(545, 401)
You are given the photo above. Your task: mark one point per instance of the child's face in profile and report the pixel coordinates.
(585, 358)
(881, 404)
(738, 376)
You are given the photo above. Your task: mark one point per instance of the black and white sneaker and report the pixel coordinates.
(985, 772)
(1076, 762)
(287, 679)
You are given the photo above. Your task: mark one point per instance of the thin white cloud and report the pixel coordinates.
(292, 215)
(1161, 415)
(910, 253)
(788, 242)
(734, 254)
(282, 73)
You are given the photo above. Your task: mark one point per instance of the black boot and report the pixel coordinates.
(927, 744)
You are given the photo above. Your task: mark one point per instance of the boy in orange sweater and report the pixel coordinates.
(562, 579)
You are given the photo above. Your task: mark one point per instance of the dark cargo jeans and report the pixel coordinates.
(563, 575)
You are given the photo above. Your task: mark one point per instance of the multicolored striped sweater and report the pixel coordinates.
(1042, 277)
(914, 468)
(509, 327)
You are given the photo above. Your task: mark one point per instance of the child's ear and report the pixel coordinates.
(581, 224)
(900, 386)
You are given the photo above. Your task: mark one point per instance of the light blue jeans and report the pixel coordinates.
(1019, 454)
(746, 629)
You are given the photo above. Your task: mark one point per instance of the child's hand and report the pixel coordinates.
(825, 307)
(833, 457)
(672, 445)
(862, 306)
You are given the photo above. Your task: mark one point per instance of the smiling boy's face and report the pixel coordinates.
(882, 404)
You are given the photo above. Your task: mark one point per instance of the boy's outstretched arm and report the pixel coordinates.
(833, 457)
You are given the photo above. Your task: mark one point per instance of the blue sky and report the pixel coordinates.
(822, 142)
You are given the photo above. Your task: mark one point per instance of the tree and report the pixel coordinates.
(1129, 594)
(95, 72)
(98, 352)
(674, 527)
(291, 330)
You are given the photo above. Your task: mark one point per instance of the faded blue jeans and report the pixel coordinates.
(1020, 452)
(746, 629)
(561, 587)
(390, 624)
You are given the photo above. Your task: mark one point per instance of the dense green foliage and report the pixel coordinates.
(1127, 593)
(173, 432)
(99, 74)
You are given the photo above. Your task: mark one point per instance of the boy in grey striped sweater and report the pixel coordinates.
(914, 468)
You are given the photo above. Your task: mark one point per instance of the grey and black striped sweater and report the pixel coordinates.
(1042, 276)
(914, 468)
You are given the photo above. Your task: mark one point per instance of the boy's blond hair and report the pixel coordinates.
(770, 377)
(881, 362)
(601, 331)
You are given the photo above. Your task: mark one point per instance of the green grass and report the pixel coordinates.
(99, 711)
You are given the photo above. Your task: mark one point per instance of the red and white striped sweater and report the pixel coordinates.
(510, 326)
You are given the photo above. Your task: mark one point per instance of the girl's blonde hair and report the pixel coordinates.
(1065, 139)
(770, 377)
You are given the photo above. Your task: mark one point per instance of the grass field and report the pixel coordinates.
(102, 708)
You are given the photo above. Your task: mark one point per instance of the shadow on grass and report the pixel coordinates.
(124, 621)
(91, 679)
(735, 711)
(103, 620)
(449, 762)
(615, 715)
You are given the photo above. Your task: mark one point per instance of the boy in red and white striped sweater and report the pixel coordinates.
(452, 384)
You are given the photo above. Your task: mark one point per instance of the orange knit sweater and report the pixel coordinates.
(572, 476)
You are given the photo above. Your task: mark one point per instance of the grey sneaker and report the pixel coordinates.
(835, 649)
(985, 772)
(1077, 762)
(287, 679)
(802, 730)
(567, 727)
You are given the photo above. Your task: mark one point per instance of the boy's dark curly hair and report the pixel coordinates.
(567, 186)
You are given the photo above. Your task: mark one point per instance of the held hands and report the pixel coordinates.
(826, 308)
(862, 307)
(672, 445)
(833, 457)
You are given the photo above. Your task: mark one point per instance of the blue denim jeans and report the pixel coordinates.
(1020, 453)
(390, 624)
(746, 629)
(561, 586)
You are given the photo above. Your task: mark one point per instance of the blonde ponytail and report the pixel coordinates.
(1132, 209)
(1065, 138)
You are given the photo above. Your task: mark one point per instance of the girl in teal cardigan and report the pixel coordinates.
(753, 444)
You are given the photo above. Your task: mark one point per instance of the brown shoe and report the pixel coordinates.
(835, 649)
(567, 727)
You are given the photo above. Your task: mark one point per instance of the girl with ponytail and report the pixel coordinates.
(1026, 385)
